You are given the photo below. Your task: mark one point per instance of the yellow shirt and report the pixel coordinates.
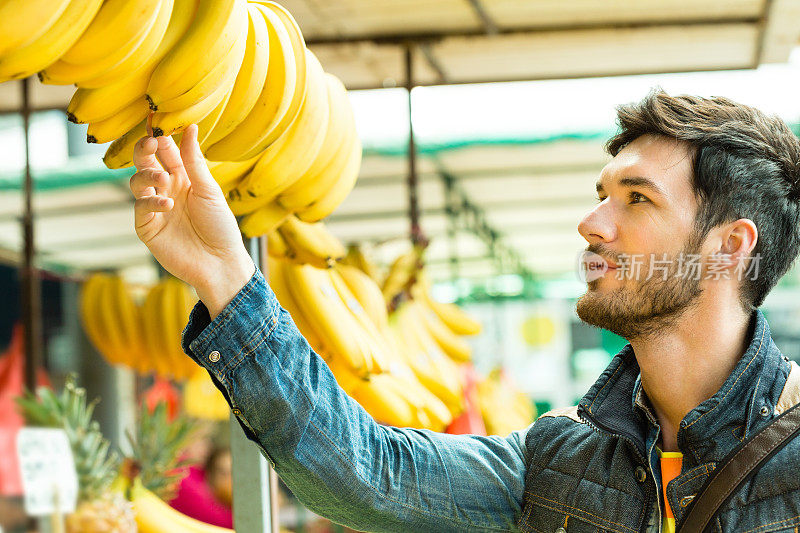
(670, 469)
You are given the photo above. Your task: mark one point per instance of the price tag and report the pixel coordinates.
(48, 471)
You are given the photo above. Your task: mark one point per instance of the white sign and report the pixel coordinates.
(48, 471)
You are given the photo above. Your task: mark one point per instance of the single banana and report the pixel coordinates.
(91, 317)
(115, 25)
(111, 322)
(169, 122)
(209, 122)
(24, 21)
(264, 220)
(334, 246)
(367, 292)
(152, 330)
(218, 75)
(452, 315)
(314, 293)
(379, 349)
(450, 343)
(249, 82)
(285, 160)
(91, 105)
(280, 99)
(424, 358)
(230, 172)
(332, 198)
(120, 152)
(127, 320)
(277, 282)
(109, 52)
(170, 327)
(304, 191)
(217, 26)
(184, 302)
(383, 403)
(140, 55)
(401, 271)
(116, 126)
(305, 244)
(154, 515)
(276, 245)
(42, 52)
(356, 257)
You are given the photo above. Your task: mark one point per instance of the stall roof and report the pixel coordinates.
(363, 42)
(531, 188)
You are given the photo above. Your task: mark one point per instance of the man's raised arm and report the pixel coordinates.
(326, 448)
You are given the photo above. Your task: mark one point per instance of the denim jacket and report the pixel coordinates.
(579, 468)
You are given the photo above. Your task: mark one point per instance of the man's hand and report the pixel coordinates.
(183, 218)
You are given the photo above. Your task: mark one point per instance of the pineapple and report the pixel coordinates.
(101, 506)
(156, 447)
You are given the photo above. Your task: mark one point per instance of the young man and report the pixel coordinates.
(693, 181)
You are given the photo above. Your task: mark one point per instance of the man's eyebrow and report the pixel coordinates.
(638, 181)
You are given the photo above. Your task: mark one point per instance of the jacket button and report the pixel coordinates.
(641, 474)
(213, 356)
(561, 530)
(764, 411)
(236, 412)
(686, 500)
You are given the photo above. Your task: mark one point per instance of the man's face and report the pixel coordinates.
(646, 209)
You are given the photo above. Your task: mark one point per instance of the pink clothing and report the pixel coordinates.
(195, 499)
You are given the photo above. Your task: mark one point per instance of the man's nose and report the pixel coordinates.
(597, 225)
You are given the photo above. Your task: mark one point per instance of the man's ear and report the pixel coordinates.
(738, 239)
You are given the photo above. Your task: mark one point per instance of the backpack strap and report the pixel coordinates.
(744, 461)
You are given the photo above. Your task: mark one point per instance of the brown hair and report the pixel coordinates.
(746, 164)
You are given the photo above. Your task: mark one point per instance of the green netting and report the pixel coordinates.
(74, 174)
(83, 171)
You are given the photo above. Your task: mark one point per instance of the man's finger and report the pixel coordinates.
(200, 177)
(144, 153)
(148, 182)
(169, 155)
(151, 204)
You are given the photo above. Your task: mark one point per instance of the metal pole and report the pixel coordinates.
(31, 304)
(255, 498)
(413, 203)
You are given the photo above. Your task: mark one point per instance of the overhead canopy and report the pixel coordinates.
(530, 187)
(467, 41)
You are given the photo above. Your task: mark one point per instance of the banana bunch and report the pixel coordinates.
(504, 408)
(202, 399)
(341, 313)
(357, 258)
(304, 243)
(402, 272)
(113, 322)
(154, 515)
(143, 337)
(166, 311)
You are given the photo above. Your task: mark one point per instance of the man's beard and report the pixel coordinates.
(644, 309)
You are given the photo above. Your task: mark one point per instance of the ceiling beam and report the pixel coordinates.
(489, 26)
(432, 37)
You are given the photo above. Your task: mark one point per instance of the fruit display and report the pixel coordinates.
(123, 496)
(278, 131)
(143, 336)
(503, 406)
(403, 366)
(98, 508)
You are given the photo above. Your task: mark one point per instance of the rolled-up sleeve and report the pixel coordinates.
(333, 456)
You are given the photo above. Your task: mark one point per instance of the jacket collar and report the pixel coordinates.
(713, 428)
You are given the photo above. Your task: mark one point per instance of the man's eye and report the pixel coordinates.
(599, 199)
(635, 195)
